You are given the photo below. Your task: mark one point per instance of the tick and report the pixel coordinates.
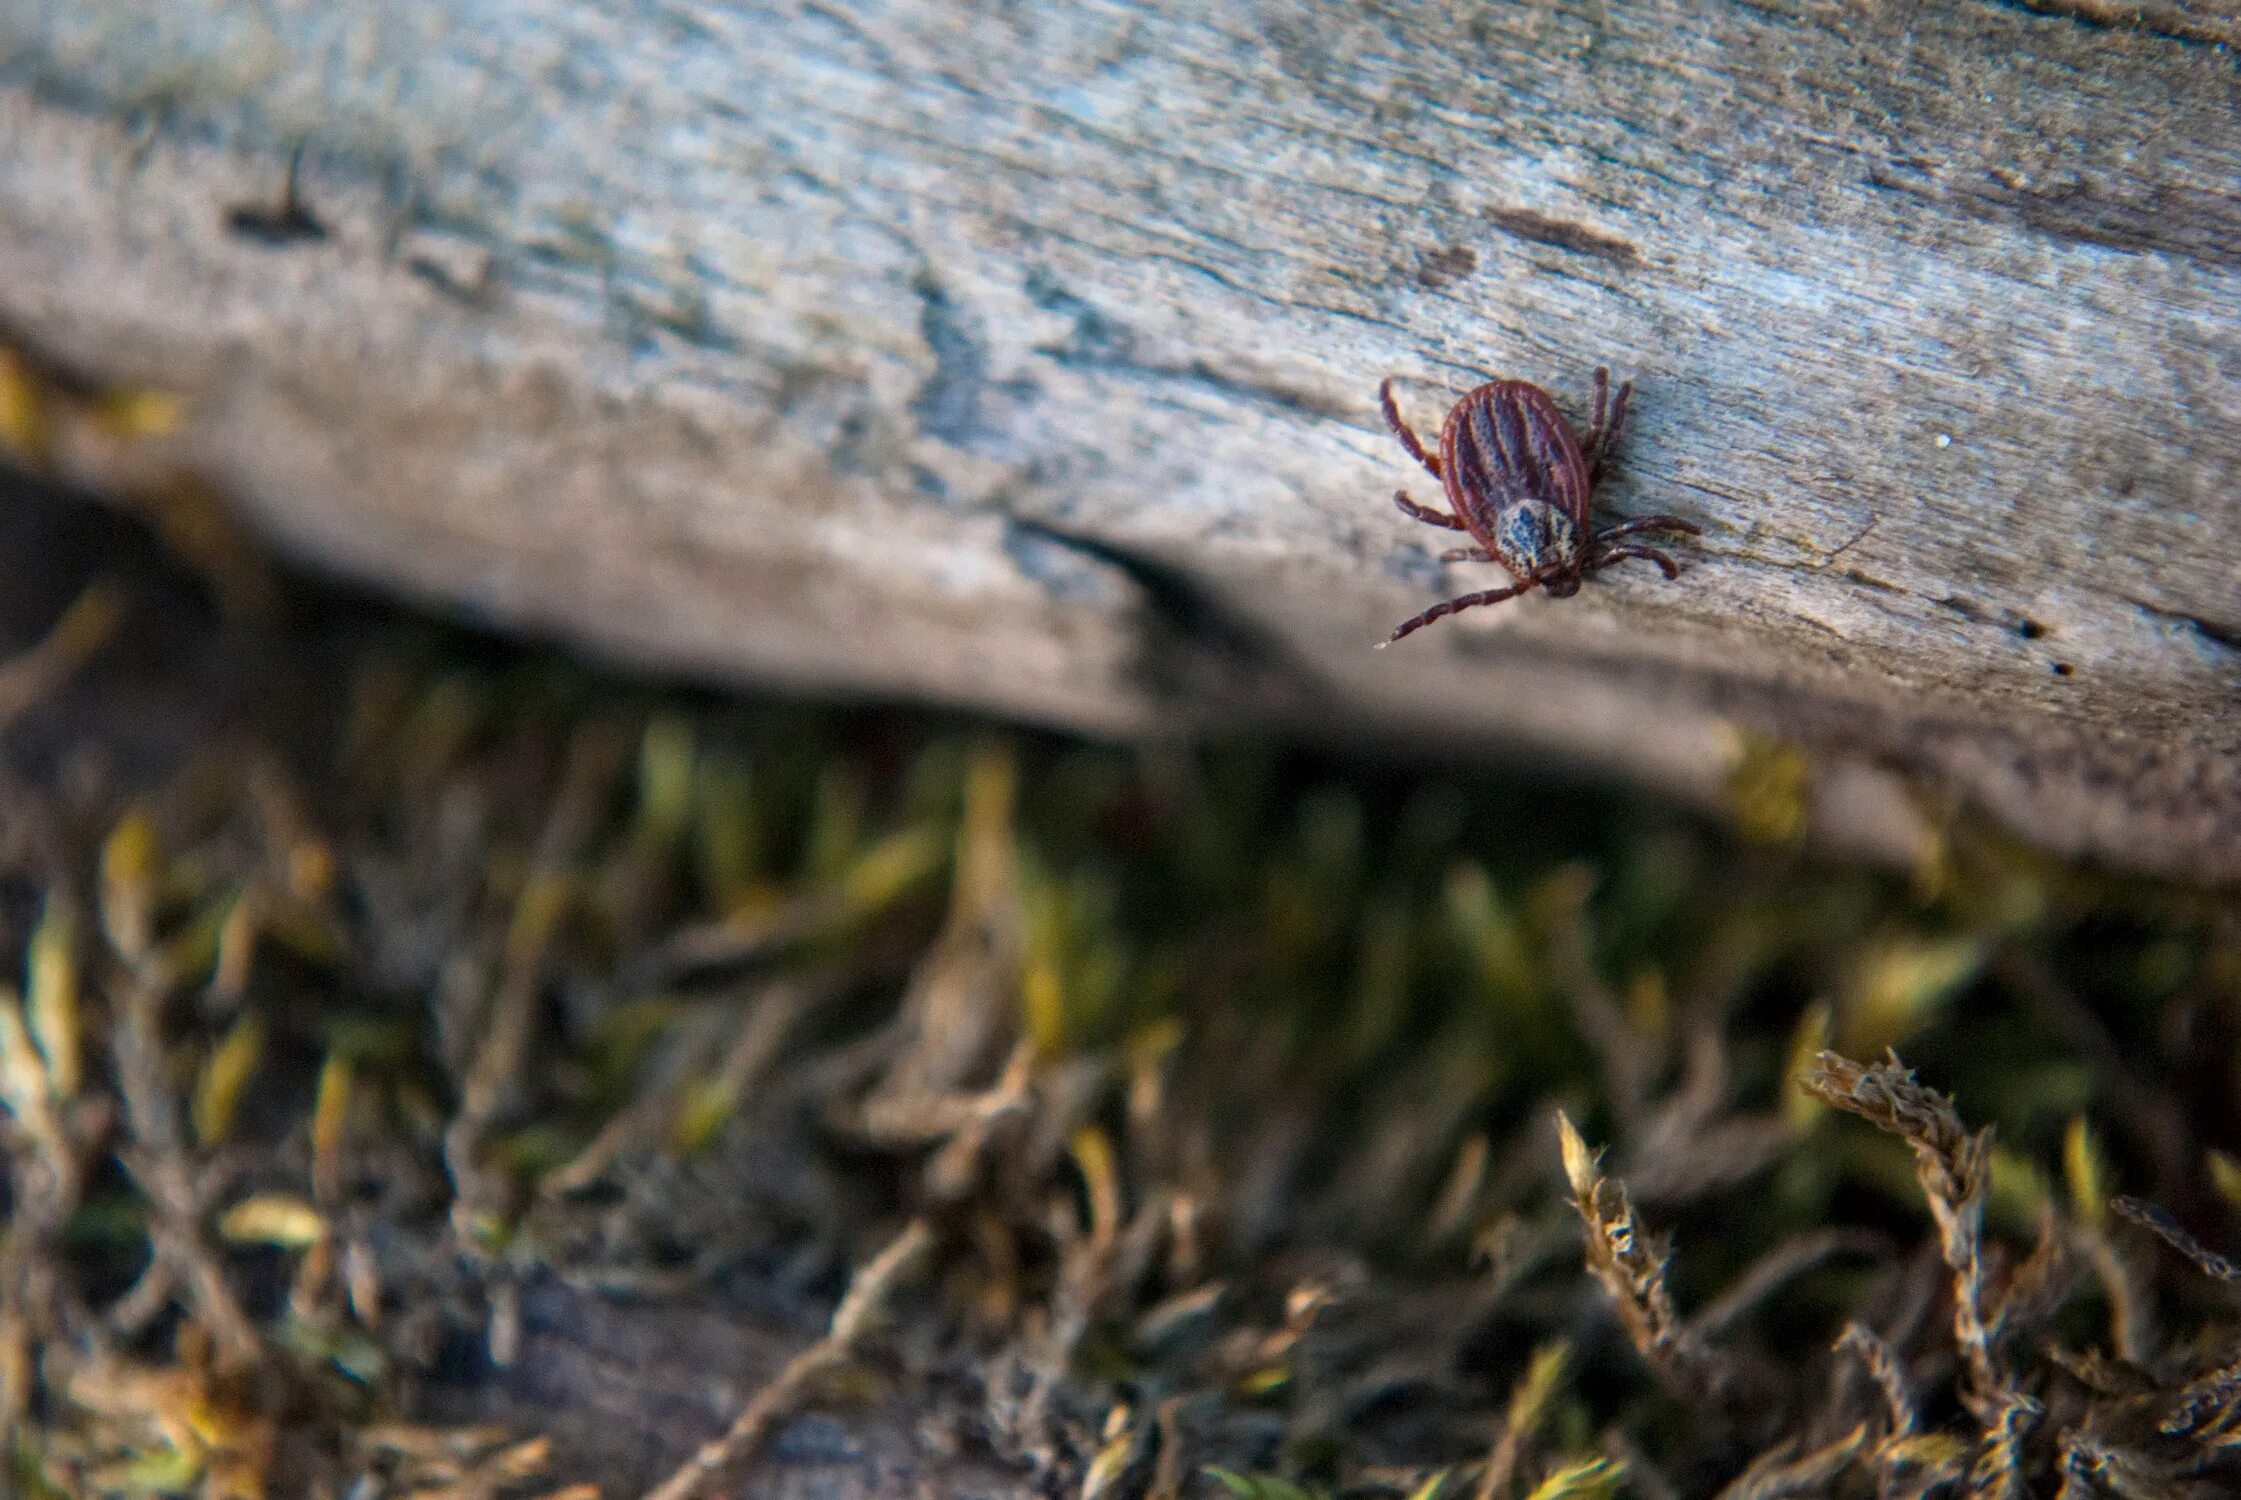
(1519, 483)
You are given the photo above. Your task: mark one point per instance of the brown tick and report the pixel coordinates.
(1520, 483)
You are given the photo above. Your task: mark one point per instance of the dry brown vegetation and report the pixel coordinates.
(398, 1026)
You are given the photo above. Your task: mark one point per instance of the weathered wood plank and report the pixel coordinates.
(1026, 356)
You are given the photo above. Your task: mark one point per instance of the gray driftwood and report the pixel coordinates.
(1024, 355)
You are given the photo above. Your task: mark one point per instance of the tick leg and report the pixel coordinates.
(1467, 554)
(1650, 523)
(1403, 431)
(1603, 436)
(1608, 555)
(1425, 513)
(1442, 611)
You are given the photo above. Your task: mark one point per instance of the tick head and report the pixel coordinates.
(1533, 537)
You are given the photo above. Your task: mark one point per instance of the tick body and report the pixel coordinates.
(1519, 483)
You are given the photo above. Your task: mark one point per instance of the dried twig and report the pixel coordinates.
(495, 1072)
(2039, 1286)
(86, 626)
(1631, 1267)
(1907, 1461)
(1690, 1145)
(961, 1007)
(776, 1010)
(867, 1294)
(1889, 1375)
(159, 1163)
(1953, 1167)
(1630, 1058)
(1167, 1469)
(1777, 1268)
(1778, 1473)
(2174, 1234)
(2207, 1398)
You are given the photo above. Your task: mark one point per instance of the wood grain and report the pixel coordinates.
(1025, 356)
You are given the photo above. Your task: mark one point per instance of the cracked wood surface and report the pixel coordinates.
(1025, 357)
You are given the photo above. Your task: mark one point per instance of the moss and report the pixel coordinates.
(1222, 1081)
